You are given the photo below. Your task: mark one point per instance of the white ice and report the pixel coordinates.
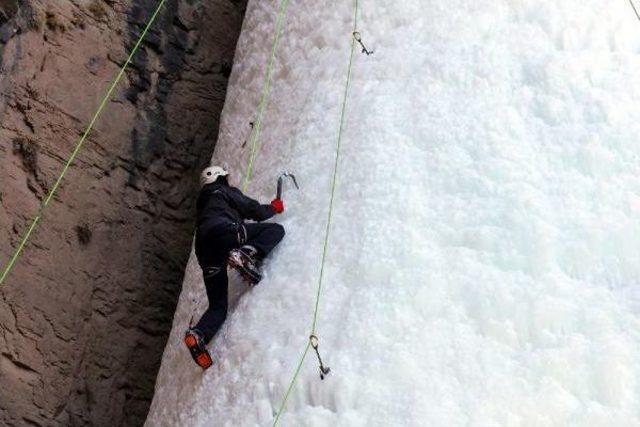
(484, 261)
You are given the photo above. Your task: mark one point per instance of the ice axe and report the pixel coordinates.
(281, 183)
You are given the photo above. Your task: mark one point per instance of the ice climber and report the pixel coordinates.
(224, 238)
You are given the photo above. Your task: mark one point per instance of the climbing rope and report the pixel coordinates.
(256, 125)
(266, 90)
(78, 146)
(313, 341)
(635, 10)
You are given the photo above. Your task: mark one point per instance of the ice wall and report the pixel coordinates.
(483, 266)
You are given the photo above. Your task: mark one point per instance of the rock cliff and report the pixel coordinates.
(85, 313)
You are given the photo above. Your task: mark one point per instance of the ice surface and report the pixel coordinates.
(484, 263)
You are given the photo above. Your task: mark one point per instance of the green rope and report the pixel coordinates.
(78, 146)
(634, 9)
(291, 384)
(329, 217)
(335, 180)
(266, 90)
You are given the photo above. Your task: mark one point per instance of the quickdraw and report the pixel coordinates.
(324, 370)
(358, 37)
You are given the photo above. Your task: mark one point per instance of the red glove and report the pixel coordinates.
(277, 205)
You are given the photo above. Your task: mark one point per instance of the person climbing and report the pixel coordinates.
(224, 238)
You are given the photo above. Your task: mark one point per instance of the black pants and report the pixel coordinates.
(212, 249)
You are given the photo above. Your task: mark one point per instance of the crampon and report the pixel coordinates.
(244, 263)
(197, 349)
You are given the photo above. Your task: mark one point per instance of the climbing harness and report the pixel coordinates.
(78, 146)
(313, 341)
(279, 189)
(358, 37)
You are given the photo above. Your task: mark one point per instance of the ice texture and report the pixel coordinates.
(484, 259)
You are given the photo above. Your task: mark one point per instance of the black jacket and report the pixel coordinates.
(220, 205)
(221, 211)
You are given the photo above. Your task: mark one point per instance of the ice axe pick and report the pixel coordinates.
(281, 179)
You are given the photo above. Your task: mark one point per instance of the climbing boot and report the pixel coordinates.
(195, 343)
(246, 261)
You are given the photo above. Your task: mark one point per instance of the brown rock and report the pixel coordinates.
(85, 313)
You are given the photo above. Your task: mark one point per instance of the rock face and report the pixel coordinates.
(86, 311)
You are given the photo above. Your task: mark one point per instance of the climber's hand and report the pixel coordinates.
(277, 205)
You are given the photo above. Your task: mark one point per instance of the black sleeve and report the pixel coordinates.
(249, 208)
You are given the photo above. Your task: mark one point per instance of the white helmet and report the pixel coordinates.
(211, 173)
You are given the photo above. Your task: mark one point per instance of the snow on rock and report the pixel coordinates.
(483, 266)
